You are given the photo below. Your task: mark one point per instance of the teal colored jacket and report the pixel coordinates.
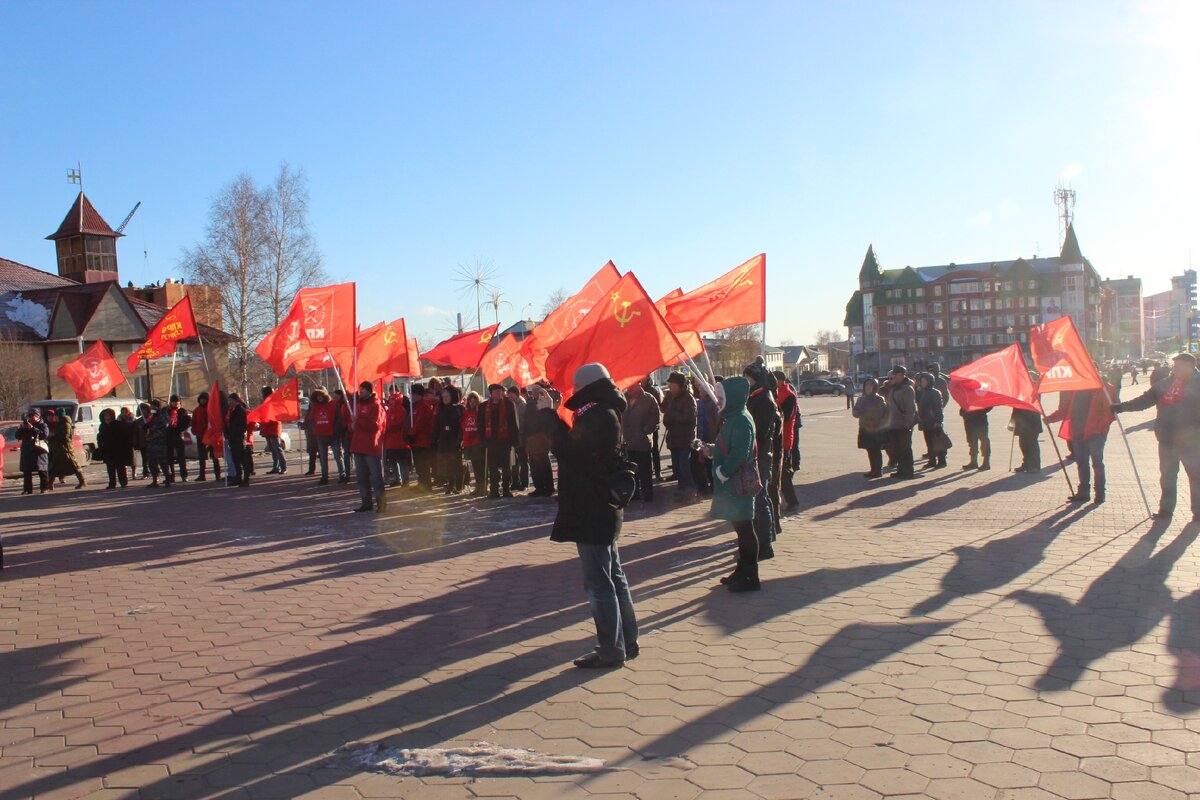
(734, 447)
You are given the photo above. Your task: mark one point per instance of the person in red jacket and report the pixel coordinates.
(788, 409)
(421, 436)
(471, 443)
(500, 431)
(1086, 418)
(199, 428)
(325, 414)
(366, 444)
(395, 440)
(270, 431)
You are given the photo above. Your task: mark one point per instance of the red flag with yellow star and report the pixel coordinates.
(739, 297)
(462, 351)
(625, 332)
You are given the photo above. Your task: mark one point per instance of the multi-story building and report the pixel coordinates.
(956, 313)
(1121, 323)
(1172, 321)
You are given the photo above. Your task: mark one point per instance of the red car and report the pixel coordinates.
(10, 456)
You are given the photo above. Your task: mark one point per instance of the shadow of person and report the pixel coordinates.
(1184, 643)
(1118, 609)
(999, 562)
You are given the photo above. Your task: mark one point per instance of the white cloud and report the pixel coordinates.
(1071, 172)
(980, 220)
(434, 311)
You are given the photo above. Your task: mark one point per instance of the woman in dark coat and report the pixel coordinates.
(62, 449)
(871, 412)
(448, 439)
(588, 452)
(538, 426)
(33, 457)
(115, 447)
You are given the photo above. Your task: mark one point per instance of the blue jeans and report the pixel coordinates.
(1089, 457)
(681, 466)
(324, 445)
(370, 477)
(276, 450)
(612, 605)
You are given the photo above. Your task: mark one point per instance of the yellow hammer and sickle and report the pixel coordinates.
(485, 338)
(746, 282)
(389, 336)
(626, 317)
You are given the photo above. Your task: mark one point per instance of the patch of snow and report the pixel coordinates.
(477, 760)
(30, 314)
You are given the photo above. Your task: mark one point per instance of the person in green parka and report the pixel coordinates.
(734, 448)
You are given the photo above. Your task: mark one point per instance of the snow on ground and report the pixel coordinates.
(480, 759)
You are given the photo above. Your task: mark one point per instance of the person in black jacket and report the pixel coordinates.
(765, 414)
(538, 427)
(448, 439)
(181, 421)
(114, 446)
(238, 473)
(1177, 428)
(588, 452)
(930, 419)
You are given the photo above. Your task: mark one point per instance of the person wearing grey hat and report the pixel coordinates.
(1177, 428)
(588, 453)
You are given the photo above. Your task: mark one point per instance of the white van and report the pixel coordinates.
(87, 415)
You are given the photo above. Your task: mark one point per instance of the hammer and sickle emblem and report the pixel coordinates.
(389, 336)
(746, 282)
(485, 338)
(623, 314)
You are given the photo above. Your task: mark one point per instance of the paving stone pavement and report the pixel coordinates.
(965, 635)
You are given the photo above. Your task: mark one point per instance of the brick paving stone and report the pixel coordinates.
(963, 636)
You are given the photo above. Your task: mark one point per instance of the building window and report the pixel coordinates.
(937, 308)
(1070, 283)
(922, 342)
(1008, 286)
(141, 388)
(179, 385)
(918, 292)
(922, 324)
(1032, 284)
(941, 341)
(996, 288)
(976, 305)
(939, 324)
(937, 291)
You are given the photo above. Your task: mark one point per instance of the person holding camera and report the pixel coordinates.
(35, 451)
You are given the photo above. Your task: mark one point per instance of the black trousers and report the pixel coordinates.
(656, 457)
(499, 467)
(901, 441)
(1031, 452)
(177, 454)
(238, 474)
(204, 452)
(875, 459)
(43, 480)
(541, 473)
(521, 468)
(645, 476)
(116, 474)
(747, 543)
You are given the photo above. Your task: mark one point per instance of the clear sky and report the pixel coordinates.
(675, 138)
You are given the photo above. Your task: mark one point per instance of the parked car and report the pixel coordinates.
(814, 386)
(87, 415)
(260, 444)
(11, 462)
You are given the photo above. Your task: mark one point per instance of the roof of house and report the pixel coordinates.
(16, 277)
(83, 218)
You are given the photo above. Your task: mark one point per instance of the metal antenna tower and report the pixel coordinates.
(1064, 198)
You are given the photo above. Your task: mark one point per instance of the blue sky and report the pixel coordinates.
(677, 139)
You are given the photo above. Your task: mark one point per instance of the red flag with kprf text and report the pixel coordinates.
(94, 374)
(178, 323)
(998, 379)
(1061, 358)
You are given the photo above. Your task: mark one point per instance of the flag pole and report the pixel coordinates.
(1125, 436)
(1053, 441)
(711, 374)
(703, 383)
(1011, 443)
(171, 383)
(337, 372)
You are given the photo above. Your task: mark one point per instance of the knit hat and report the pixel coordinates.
(678, 377)
(899, 369)
(758, 372)
(589, 374)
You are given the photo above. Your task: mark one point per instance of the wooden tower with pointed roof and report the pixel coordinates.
(86, 246)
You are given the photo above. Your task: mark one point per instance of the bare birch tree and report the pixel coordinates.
(293, 258)
(23, 378)
(234, 257)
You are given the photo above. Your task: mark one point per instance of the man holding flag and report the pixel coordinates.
(1177, 429)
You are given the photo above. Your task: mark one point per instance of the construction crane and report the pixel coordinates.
(128, 217)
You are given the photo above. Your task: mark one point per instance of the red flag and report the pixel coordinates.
(383, 351)
(1061, 358)
(413, 370)
(282, 406)
(497, 362)
(464, 350)
(178, 323)
(562, 320)
(692, 343)
(626, 333)
(285, 344)
(94, 374)
(738, 297)
(328, 315)
(214, 434)
(998, 379)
